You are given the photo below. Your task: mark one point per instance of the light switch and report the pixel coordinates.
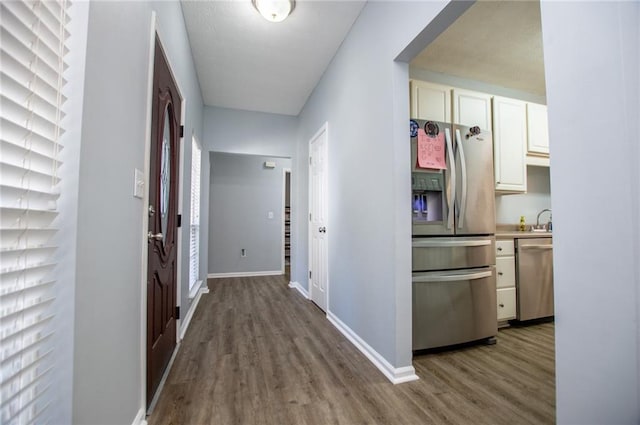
(270, 215)
(138, 184)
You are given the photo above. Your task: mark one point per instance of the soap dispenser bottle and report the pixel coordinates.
(522, 224)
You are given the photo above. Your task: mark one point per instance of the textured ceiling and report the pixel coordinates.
(496, 42)
(245, 62)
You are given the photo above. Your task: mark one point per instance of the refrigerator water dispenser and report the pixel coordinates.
(427, 199)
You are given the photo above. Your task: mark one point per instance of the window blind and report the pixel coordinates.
(194, 229)
(32, 51)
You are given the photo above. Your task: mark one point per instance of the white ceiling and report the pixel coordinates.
(496, 42)
(245, 62)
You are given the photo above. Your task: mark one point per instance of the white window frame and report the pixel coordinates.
(194, 224)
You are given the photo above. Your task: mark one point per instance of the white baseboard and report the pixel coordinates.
(244, 274)
(395, 375)
(296, 285)
(187, 319)
(141, 418)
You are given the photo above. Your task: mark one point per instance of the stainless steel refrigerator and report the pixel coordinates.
(453, 244)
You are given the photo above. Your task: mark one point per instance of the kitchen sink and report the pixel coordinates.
(539, 230)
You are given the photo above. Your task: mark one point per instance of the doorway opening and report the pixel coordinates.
(286, 223)
(318, 219)
(448, 89)
(246, 215)
(163, 234)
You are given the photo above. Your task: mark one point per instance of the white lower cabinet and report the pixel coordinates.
(506, 280)
(506, 272)
(506, 304)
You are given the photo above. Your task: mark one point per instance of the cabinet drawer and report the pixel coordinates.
(506, 303)
(505, 272)
(504, 247)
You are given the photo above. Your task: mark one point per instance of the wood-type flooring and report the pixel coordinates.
(257, 352)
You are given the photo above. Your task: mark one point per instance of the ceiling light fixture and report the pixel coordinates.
(274, 10)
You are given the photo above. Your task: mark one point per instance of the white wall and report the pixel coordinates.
(109, 347)
(591, 59)
(363, 96)
(242, 194)
(252, 133)
(509, 208)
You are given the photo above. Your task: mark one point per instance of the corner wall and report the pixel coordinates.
(108, 348)
(363, 95)
(593, 97)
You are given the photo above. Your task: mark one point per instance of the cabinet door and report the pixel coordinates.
(472, 108)
(505, 248)
(506, 272)
(430, 101)
(537, 129)
(509, 141)
(506, 303)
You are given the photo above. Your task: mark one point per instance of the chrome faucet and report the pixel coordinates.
(548, 226)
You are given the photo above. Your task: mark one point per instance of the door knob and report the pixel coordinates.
(157, 236)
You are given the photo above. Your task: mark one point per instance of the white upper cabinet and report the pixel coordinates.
(509, 144)
(472, 108)
(537, 130)
(430, 101)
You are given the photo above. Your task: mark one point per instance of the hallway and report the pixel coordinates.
(259, 353)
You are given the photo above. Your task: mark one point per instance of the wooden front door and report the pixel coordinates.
(163, 208)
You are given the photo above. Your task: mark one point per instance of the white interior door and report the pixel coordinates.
(318, 252)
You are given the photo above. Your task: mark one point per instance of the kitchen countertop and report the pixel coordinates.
(510, 231)
(519, 235)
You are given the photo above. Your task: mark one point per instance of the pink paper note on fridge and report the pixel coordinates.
(431, 151)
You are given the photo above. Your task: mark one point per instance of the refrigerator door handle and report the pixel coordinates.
(452, 167)
(430, 243)
(452, 277)
(463, 172)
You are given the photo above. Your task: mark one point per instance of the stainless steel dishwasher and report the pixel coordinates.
(534, 281)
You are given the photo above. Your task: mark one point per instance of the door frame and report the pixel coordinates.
(324, 128)
(155, 30)
(282, 219)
